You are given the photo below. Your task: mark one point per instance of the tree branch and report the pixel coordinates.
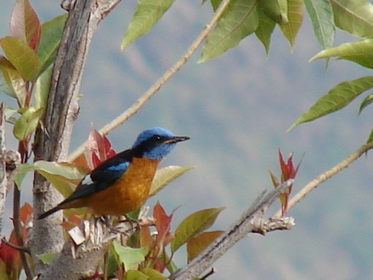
(3, 179)
(9, 162)
(326, 175)
(160, 82)
(250, 221)
(81, 258)
(53, 141)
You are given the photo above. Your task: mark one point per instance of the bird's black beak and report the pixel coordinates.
(176, 139)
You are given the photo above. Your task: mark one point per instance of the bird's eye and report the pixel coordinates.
(157, 137)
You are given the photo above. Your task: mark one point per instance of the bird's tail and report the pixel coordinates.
(49, 212)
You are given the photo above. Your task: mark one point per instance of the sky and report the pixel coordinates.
(236, 109)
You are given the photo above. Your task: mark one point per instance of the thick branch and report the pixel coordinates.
(3, 180)
(249, 222)
(53, 141)
(95, 238)
(9, 162)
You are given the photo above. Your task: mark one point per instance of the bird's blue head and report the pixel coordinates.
(156, 142)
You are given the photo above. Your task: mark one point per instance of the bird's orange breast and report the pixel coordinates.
(128, 193)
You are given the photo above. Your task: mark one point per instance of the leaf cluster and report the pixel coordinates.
(25, 74)
(260, 17)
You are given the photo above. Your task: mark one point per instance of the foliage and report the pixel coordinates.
(288, 171)
(26, 69)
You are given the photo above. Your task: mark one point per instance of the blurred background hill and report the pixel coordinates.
(237, 108)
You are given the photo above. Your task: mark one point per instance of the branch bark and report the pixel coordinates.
(3, 179)
(53, 141)
(76, 261)
(9, 162)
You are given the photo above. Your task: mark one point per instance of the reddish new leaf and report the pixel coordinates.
(146, 239)
(287, 172)
(25, 24)
(162, 224)
(25, 213)
(163, 237)
(11, 256)
(98, 149)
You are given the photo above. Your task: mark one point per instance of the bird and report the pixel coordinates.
(121, 184)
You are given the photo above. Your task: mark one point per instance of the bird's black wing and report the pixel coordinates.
(103, 176)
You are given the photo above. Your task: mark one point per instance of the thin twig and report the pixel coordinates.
(19, 248)
(160, 82)
(326, 175)
(18, 231)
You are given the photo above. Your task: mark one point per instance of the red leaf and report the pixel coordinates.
(25, 24)
(146, 239)
(25, 213)
(287, 172)
(163, 237)
(162, 222)
(98, 148)
(95, 161)
(10, 256)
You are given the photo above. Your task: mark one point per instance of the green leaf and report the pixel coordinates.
(3, 271)
(21, 55)
(153, 274)
(27, 123)
(370, 138)
(265, 30)
(200, 242)
(4, 87)
(147, 13)
(360, 52)
(41, 90)
(166, 175)
(240, 20)
(321, 15)
(276, 10)
(135, 275)
(295, 18)
(367, 101)
(47, 258)
(215, 4)
(194, 224)
(337, 98)
(51, 32)
(25, 24)
(14, 80)
(363, 60)
(358, 48)
(130, 257)
(63, 175)
(9, 115)
(355, 16)
(21, 173)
